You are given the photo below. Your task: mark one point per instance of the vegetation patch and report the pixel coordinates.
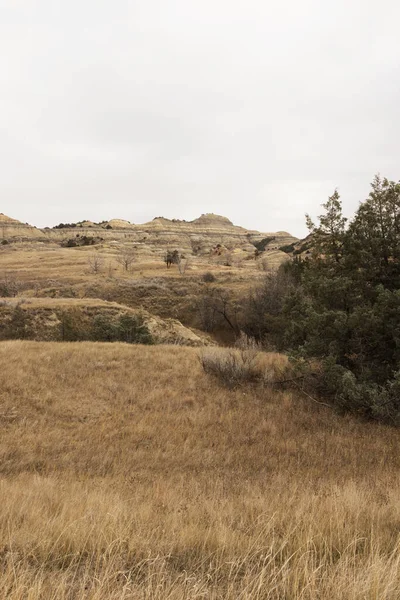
(81, 240)
(262, 244)
(243, 364)
(341, 305)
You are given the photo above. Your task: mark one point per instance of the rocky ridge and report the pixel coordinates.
(198, 237)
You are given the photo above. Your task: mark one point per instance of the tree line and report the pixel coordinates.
(340, 304)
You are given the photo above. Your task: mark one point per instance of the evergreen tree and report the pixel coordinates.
(329, 235)
(343, 304)
(374, 240)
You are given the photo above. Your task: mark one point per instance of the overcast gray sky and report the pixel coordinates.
(252, 109)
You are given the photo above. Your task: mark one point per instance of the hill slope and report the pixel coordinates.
(198, 237)
(50, 319)
(127, 473)
(13, 229)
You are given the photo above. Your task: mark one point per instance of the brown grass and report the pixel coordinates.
(39, 263)
(127, 473)
(244, 364)
(48, 270)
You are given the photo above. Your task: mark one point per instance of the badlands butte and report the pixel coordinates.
(116, 268)
(196, 237)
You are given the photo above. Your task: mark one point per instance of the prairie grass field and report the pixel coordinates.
(38, 270)
(128, 473)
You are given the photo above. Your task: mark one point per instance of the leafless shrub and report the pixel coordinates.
(207, 313)
(9, 286)
(245, 363)
(95, 263)
(231, 366)
(182, 263)
(247, 343)
(126, 257)
(215, 306)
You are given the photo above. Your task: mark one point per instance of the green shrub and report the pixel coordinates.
(17, 328)
(262, 244)
(104, 329)
(125, 328)
(133, 330)
(288, 249)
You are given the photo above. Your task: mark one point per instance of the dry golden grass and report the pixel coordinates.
(38, 269)
(39, 262)
(127, 473)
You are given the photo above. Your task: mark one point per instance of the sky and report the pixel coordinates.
(252, 109)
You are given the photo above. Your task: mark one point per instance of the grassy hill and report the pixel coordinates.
(127, 473)
(77, 319)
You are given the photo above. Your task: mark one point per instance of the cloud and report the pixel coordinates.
(255, 110)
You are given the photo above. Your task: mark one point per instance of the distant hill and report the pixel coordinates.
(198, 237)
(11, 229)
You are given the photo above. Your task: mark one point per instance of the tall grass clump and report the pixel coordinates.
(243, 364)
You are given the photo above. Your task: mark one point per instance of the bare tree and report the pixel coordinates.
(9, 285)
(95, 263)
(182, 263)
(126, 257)
(110, 269)
(175, 258)
(216, 306)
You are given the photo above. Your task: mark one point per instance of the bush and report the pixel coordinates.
(231, 366)
(243, 364)
(104, 329)
(288, 249)
(263, 314)
(17, 328)
(83, 240)
(133, 330)
(64, 225)
(216, 309)
(74, 325)
(262, 244)
(345, 392)
(9, 286)
(126, 328)
(209, 277)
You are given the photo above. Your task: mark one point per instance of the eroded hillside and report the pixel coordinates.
(207, 235)
(214, 266)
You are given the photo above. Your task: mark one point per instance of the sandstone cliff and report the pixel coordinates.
(198, 237)
(208, 235)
